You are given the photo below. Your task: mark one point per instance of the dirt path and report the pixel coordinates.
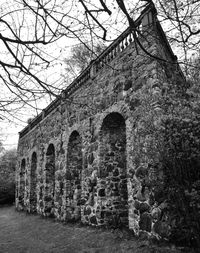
(25, 233)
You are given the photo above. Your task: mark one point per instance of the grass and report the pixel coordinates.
(25, 233)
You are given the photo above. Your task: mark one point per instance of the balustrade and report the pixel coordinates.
(118, 46)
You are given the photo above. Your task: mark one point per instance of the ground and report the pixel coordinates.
(25, 233)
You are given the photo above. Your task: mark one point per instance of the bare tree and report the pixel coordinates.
(181, 22)
(32, 32)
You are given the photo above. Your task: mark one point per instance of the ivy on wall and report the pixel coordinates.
(180, 160)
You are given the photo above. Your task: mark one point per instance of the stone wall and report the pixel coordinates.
(33, 183)
(96, 154)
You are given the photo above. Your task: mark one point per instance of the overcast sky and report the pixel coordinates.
(17, 120)
(56, 53)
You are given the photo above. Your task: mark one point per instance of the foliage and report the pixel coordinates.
(1, 147)
(181, 165)
(7, 176)
(194, 75)
(80, 58)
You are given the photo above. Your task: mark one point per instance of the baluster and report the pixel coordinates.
(108, 56)
(103, 61)
(122, 45)
(126, 42)
(100, 64)
(112, 53)
(115, 51)
(106, 59)
(118, 48)
(130, 38)
(97, 66)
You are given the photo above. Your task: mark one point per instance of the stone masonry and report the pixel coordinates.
(92, 154)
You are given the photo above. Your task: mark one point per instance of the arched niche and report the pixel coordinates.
(22, 183)
(50, 181)
(33, 183)
(113, 176)
(73, 176)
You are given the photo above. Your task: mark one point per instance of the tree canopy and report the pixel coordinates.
(80, 58)
(7, 176)
(1, 148)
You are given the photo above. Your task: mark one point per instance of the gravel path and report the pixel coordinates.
(25, 233)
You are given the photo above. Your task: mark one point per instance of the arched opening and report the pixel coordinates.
(33, 183)
(73, 177)
(22, 183)
(112, 186)
(50, 181)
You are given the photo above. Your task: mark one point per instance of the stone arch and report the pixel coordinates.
(121, 109)
(22, 182)
(33, 183)
(113, 172)
(50, 181)
(74, 176)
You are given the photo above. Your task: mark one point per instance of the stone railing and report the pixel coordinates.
(116, 47)
(119, 45)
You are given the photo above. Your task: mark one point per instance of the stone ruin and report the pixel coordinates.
(91, 155)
